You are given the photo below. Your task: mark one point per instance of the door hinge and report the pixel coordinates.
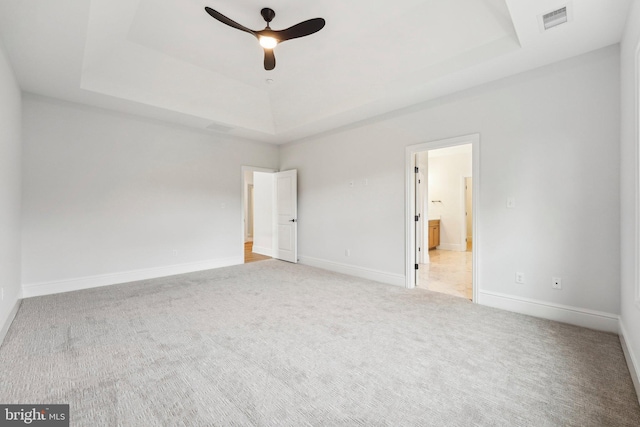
(416, 170)
(417, 217)
(416, 266)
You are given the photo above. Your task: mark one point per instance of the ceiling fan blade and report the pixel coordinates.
(269, 59)
(300, 30)
(220, 17)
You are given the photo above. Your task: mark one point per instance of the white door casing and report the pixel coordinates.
(286, 216)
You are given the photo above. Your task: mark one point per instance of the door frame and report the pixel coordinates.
(243, 213)
(410, 208)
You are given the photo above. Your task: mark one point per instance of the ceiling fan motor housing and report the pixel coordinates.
(267, 14)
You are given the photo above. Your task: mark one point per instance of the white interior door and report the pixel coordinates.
(286, 206)
(416, 223)
(422, 246)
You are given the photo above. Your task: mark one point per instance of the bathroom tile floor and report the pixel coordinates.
(448, 272)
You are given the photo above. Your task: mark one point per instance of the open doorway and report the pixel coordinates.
(269, 214)
(442, 188)
(444, 199)
(256, 213)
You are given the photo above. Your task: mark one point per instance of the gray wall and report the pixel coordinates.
(107, 193)
(630, 306)
(10, 177)
(549, 138)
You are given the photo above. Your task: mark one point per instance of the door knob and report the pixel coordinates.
(292, 220)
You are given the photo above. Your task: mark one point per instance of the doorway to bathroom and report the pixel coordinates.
(442, 242)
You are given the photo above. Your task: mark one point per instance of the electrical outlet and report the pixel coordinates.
(352, 183)
(175, 252)
(347, 252)
(511, 202)
(520, 278)
(556, 283)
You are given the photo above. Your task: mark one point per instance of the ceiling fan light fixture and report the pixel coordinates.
(269, 38)
(268, 42)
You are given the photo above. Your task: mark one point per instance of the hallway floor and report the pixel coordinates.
(250, 256)
(448, 272)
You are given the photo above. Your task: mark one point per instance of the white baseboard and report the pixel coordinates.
(632, 361)
(7, 323)
(262, 250)
(78, 283)
(562, 313)
(452, 247)
(352, 270)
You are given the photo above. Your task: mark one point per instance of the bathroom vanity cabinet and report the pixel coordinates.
(434, 233)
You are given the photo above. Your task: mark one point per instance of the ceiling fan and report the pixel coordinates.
(269, 38)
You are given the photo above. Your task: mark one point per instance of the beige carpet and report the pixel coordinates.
(271, 343)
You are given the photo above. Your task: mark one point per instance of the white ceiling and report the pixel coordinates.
(169, 60)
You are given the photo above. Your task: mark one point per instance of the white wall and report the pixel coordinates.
(447, 170)
(630, 307)
(106, 193)
(351, 196)
(10, 196)
(263, 220)
(549, 138)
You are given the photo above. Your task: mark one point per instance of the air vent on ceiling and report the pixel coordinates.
(219, 128)
(555, 17)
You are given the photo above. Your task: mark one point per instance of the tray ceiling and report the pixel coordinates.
(168, 59)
